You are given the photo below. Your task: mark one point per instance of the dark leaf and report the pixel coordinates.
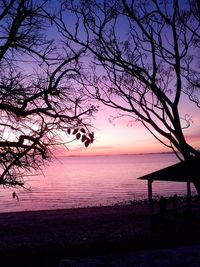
(91, 135)
(78, 136)
(75, 131)
(83, 130)
(87, 143)
(83, 138)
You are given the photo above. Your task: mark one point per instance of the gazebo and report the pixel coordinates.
(185, 171)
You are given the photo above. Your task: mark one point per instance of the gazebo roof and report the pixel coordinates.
(185, 171)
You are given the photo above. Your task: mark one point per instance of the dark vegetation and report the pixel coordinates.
(39, 100)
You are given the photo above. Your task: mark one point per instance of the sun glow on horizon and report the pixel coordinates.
(123, 137)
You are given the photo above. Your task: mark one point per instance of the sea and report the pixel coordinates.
(72, 182)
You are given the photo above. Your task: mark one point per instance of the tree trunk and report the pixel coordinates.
(194, 164)
(197, 186)
(195, 171)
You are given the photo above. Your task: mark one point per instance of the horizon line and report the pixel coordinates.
(120, 154)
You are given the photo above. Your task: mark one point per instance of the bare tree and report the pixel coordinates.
(39, 98)
(145, 61)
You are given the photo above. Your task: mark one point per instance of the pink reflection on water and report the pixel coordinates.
(90, 181)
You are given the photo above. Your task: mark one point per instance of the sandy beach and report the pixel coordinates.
(43, 238)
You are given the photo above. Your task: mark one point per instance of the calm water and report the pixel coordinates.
(90, 181)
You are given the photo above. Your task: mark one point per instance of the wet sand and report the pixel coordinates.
(43, 238)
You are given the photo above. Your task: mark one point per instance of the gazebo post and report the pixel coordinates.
(189, 194)
(150, 196)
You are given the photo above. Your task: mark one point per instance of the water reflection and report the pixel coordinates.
(88, 181)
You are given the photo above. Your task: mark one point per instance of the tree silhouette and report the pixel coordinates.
(38, 95)
(145, 58)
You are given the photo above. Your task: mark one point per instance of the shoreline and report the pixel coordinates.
(143, 201)
(118, 204)
(135, 202)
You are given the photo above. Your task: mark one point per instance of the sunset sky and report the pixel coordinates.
(120, 137)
